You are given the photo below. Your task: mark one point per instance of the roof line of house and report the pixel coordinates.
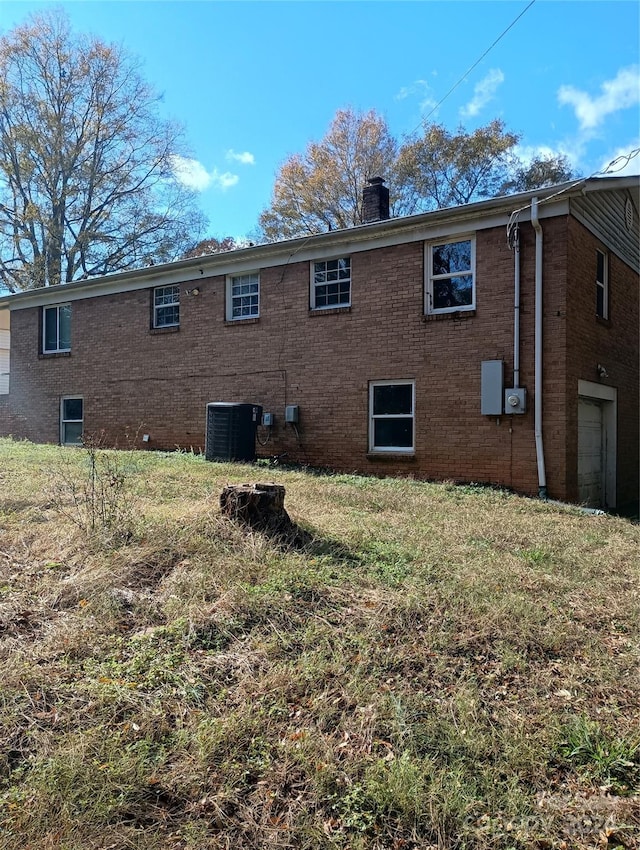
(493, 212)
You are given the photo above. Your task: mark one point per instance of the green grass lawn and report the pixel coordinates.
(440, 667)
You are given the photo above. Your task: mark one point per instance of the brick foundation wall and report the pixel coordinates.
(135, 380)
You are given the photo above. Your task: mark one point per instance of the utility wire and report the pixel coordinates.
(615, 165)
(475, 64)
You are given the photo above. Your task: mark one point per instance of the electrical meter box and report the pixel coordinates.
(515, 400)
(292, 413)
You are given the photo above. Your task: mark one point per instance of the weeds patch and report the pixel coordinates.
(607, 759)
(441, 667)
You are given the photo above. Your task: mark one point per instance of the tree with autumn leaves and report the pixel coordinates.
(88, 181)
(87, 166)
(321, 189)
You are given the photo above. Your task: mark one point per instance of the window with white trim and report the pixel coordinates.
(391, 416)
(331, 283)
(450, 285)
(602, 285)
(243, 296)
(71, 421)
(166, 306)
(56, 329)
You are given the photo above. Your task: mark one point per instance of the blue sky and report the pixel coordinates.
(254, 82)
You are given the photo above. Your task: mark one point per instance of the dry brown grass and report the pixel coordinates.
(442, 667)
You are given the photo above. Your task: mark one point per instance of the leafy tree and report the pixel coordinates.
(543, 170)
(321, 189)
(87, 182)
(213, 245)
(443, 169)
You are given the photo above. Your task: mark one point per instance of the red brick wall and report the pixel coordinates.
(612, 343)
(159, 383)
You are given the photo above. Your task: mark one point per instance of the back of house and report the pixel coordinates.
(495, 342)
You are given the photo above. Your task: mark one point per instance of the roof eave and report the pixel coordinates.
(263, 255)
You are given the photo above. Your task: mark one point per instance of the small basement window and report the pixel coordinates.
(391, 416)
(71, 421)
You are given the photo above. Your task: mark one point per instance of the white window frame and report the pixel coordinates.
(319, 268)
(163, 305)
(234, 299)
(603, 285)
(67, 421)
(58, 349)
(431, 278)
(373, 417)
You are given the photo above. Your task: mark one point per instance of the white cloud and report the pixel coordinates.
(191, 173)
(620, 93)
(483, 93)
(194, 175)
(621, 167)
(245, 157)
(225, 180)
(420, 89)
(527, 153)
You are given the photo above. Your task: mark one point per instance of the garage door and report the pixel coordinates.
(591, 453)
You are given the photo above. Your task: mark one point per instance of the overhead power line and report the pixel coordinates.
(615, 165)
(476, 63)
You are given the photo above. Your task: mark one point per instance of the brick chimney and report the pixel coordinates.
(375, 200)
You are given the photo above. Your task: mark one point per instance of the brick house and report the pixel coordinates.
(495, 342)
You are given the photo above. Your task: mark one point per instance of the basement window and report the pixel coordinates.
(331, 283)
(243, 296)
(450, 284)
(602, 285)
(391, 416)
(166, 306)
(56, 329)
(71, 421)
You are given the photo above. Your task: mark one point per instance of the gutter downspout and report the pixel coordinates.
(516, 309)
(542, 477)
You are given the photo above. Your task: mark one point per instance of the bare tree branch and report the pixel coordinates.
(86, 165)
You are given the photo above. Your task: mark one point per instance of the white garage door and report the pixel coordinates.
(591, 453)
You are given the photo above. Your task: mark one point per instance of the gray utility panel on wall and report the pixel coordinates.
(492, 388)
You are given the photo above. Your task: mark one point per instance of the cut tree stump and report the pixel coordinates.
(261, 507)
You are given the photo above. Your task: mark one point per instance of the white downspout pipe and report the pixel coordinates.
(542, 476)
(516, 309)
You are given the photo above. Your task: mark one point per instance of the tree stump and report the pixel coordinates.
(261, 507)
